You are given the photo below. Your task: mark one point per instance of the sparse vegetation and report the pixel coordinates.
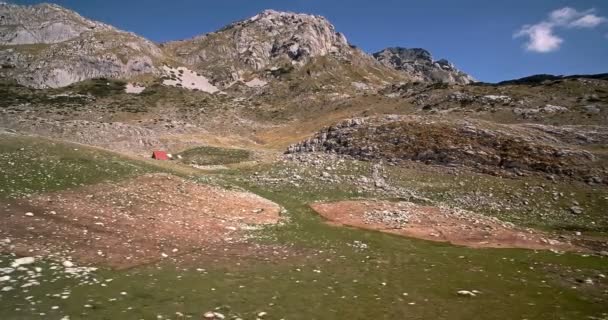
(522, 163)
(35, 165)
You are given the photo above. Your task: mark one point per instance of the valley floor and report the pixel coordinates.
(91, 234)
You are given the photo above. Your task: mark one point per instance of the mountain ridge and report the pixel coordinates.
(420, 63)
(47, 45)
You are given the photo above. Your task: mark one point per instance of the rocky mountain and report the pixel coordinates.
(49, 46)
(45, 23)
(419, 64)
(267, 44)
(484, 146)
(541, 78)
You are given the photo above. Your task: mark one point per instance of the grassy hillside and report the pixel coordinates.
(35, 165)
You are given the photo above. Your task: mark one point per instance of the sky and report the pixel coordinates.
(491, 40)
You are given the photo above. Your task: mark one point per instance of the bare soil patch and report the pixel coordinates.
(458, 227)
(134, 222)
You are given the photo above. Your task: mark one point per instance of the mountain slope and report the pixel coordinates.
(45, 23)
(485, 146)
(49, 46)
(419, 64)
(268, 44)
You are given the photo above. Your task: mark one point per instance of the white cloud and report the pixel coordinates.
(587, 21)
(563, 15)
(542, 37)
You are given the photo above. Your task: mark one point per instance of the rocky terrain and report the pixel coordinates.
(436, 224)
(46, 24)
(290, 148)
(270, 42)
(419, 63)
(49, 46)
(118, 235)
(486, 146)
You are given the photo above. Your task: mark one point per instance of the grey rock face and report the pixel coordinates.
(53, 47)
(49, 46)
(296, 36)
(501, 150)
(44, 23)
(419, 64)
(263, 41)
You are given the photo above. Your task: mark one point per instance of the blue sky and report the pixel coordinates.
(492, 40)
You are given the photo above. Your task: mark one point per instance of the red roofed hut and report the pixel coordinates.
(160, 155)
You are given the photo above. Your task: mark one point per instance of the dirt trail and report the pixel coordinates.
(436, 224)
(133, 222)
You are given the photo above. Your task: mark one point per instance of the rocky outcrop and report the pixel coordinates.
(44, 23)
(270, 40)
(49, 46)
(484, 146)
(419, 64)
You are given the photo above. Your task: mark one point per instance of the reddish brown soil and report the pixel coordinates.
(134, 222)
(440, 224)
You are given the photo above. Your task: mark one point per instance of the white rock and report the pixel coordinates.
(188, 79)
(23, 261)
(466, 293)
(68, 264)
(256, 83)
(29, 214)
(134, 88)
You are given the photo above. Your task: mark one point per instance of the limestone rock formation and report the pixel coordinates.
(419, 64)
(49, 46)
(271, 40)
(46, 45)
(477, 144)
(45, 23)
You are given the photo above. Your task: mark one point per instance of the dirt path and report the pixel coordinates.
(436, 224)
(133, 222)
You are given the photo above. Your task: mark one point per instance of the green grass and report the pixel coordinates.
(530, 201)
(100, 87)
(332, 279)
(35, 165)
(214, 156)
(329, 277)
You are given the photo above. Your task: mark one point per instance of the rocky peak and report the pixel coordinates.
(315, 33)
(49, 46)
(398, 55)
(297, 36)
(419, 64)
(43, 23)
(265, 40)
